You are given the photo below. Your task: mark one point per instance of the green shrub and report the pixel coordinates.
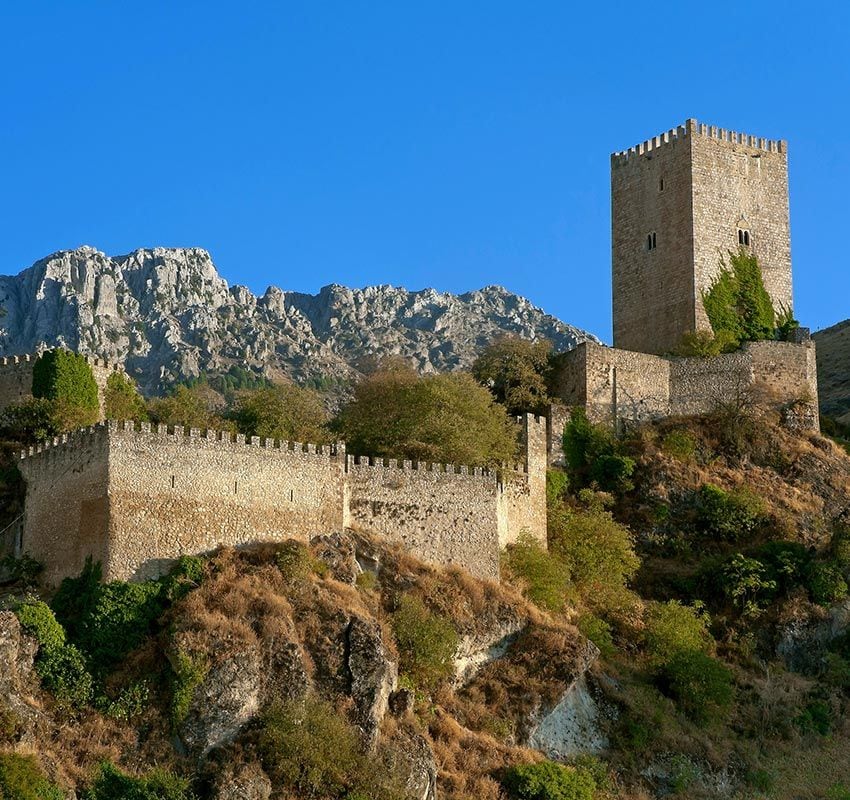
(705, 344)
(30, 421)
(60, 666)
(132, 701)
(838, 791)
(594, 454)
(816, 717)
(285, 411)
(680, 445)
(294, 561)
(673, 628)
(66, 379)
(727, 516)
(557, 483)
(746, 583)
(700, 685)
(786, 563)
(825, 582)
(23, 570)
(121, 399)
(545, 576)
(309, 748)
(549, 781)
(187, 674)
(366, 580)
(426, 642)
(21, 778)
(598, 551)
(159, 784)
(599, 632)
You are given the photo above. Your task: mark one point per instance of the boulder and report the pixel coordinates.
(245, 782)
(373, 675)
(338, 551)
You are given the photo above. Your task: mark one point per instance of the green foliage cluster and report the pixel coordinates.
(30, 421)
(228, 383)
(426, 642)
(701, 685)
(599, 632)
(309, 748)
(283, 411)
(60, 666)
(705, 344)
(106, 621)
(557, 484)
(22, 778)
(597, 550)
(66, 379)
(673, 628)
(737, 304)
(23, 570)
(111, 783)
(517, 372)
(446, 418)
(188, 672)
(594, 455)
(191, 406)
(121, 399)
(549, 781)
(545, 575)
(295, 562)
(680, 445)
(727, 516)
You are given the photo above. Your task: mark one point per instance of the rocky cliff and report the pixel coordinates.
(833, 351)
(168, 314)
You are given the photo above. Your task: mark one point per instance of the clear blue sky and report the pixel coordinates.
(446, 144)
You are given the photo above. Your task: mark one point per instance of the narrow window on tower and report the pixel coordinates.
(650, 241)
(661, 184)
(743, 237)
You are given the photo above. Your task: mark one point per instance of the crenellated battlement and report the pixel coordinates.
(405, 465)
(11, 361)
(694, 128)
(178, 434)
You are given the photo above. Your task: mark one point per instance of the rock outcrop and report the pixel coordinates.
(168, 315)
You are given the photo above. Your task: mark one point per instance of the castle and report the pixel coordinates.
(136, 497)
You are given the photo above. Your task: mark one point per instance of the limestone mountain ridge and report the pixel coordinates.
(167, 314)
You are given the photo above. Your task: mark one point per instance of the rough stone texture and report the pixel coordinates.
(246, 782)
(615, 385)
(339, 552)
(16, 378)
(693, 188)
(227, 699)
(572, 727)
(168, 315)
(373, 675)
(135, 498)
(490, 640)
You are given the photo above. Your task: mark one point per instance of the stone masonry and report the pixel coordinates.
(135, 498)
(679, 203)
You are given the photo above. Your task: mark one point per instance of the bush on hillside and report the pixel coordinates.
(284, 411)
(426, 642)
(190, 406)
(727, 516)
(66, 379)
(672, 628)
(446, 418)
(700, 685)
(594, 455)
(549, 781)
(680, 445)
(121, 399)
(22, 778)
(747, 584)
(307, 747)
(825, 582)
(557, 483)
(545, 575)
(516, 371)
(60, 666)
(110, 783)
(705, 344)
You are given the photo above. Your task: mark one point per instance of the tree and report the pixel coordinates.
(516, 371)
(122, 399)
(192, 407)
(737, 304)
(66, 380)
(444, 418)
(284, 411)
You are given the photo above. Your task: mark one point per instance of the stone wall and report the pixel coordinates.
(691, 189)
(620, 385)
(16, 378)
(135, 498)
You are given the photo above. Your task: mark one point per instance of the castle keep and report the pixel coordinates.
(136, 497)
(680, 202)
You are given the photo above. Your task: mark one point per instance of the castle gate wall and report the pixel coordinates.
(67, 504)
(699, 385)
(442, 513)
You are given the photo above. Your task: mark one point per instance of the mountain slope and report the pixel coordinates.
(169, 315)
(833, 349)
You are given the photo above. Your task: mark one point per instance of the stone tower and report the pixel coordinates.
(679, 202)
